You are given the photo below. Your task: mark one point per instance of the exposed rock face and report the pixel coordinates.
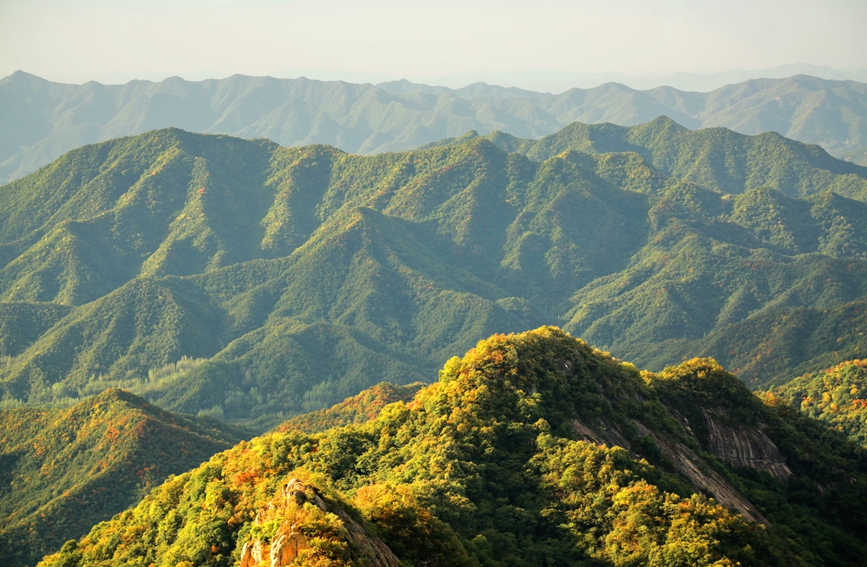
(300, 493)
(742, 447)
(251, 554)
(286, 547)
(585, 433)
(705, 478)
(603, 435)
(738, 446)
(289, 541)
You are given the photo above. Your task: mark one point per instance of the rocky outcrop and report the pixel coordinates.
(252, 554)
(743, 447)
(703, 477)
(286, 547)
(604, 434)
(291, 539)
(689, 464)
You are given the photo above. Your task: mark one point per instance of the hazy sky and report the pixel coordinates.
(114, 40)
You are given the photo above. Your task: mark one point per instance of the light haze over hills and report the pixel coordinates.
(554, 81)
(540, 80)
(42, 119)
(383, 39)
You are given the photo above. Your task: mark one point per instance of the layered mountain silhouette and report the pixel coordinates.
(245, 280)
(42, 120)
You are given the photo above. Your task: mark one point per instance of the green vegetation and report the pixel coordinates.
(837, 396)
(63, 471)
(357, 409)
(48, 119)
(237, 279)
(534, 449)
(714, 158)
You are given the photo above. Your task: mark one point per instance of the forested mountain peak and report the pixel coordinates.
(533, 449)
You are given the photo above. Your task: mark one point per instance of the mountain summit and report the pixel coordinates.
(534, 449)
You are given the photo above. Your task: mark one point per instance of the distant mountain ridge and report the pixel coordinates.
(559, 81)
(40, 120)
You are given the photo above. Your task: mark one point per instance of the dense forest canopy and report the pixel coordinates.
(244, 280)
(534, 449)
(836, 395)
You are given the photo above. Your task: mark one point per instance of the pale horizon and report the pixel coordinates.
(450, 43)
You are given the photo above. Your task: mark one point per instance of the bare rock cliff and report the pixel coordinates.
(743, 447)
(704, 478)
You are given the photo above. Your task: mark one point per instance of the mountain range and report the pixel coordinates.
(240, 279)
(559, 81)
(185, 265)
(40, 120)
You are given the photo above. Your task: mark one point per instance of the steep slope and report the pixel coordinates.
(296, 277)
(42, 120)
(361, 408)
(534, 449)
(65, 470)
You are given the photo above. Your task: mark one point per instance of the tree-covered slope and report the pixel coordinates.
(836, 395)
(762, 286)
(715, 158)
(534, 449)
(296, 277)
(41, 120)
(360, 408)
(64, 470)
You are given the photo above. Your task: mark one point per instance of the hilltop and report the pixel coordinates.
(534, 449)
(356, 409)
(64, 470)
